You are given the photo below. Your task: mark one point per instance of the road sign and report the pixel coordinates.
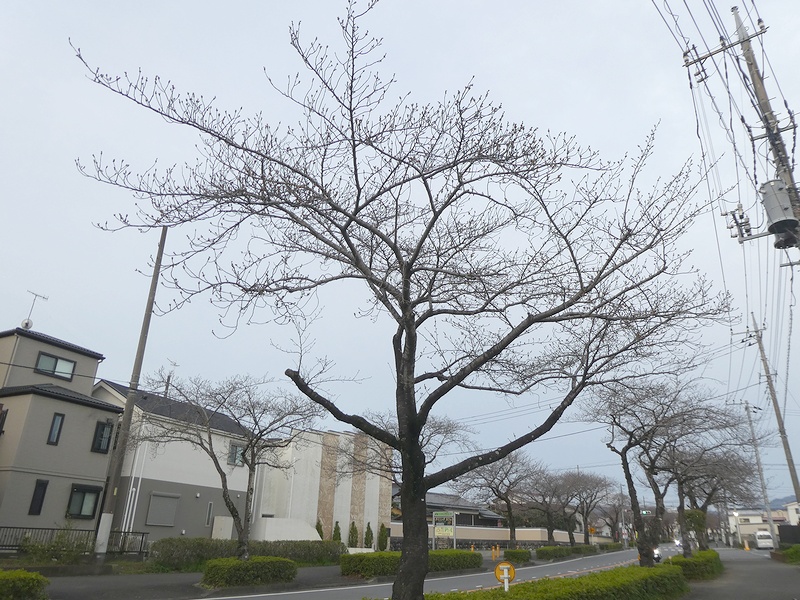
(504, 572)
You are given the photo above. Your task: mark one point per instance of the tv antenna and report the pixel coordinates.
(27, 323)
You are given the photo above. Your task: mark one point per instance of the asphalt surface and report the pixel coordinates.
(748, 575)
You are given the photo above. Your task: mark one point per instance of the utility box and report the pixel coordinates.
(775, 197)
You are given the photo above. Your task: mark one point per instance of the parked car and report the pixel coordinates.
(764, 540)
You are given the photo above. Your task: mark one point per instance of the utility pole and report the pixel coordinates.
(764, 496)
(123, 434)
(785, 237)
(778, 416)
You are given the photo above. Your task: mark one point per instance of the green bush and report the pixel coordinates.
(703, 565)
(792, 554)
(551, 552)
(68, 546)
(584, 549)
(22, 585)
(377, 564)
(337, 532)
(368, 536)
(352, 535)
(639, 583)
(227, 572)
(319, 529)
(610, 547)
(517, 557)
(190, 554)
(454, 560)
(383, 537)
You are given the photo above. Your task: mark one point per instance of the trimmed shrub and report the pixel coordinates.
(551, 552)
(584, 549)
(383, 537)
(352, 535)
(190, 554)
(377, 564)
(792, 554)
(703, 565)
(660, 583)
(517, 557)
(22, 585)
(67, 547)
(368, 536)
(227, 572)
(610, 547)
(454, 560)
(337, 532)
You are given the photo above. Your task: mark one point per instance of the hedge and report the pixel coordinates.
(22, 585)
(551, 552)
(703, 565)
(642, 583)
(584, 549)
(792, 554)
(258, 570)
(517, 557)
(190, 554)
(376, 564)
(610, 547)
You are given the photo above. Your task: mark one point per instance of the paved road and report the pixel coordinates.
(749, 575)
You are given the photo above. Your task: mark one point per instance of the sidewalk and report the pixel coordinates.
(749, 575)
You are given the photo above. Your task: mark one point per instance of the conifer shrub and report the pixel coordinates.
(368, 536)
(383, 537)
(352, 535)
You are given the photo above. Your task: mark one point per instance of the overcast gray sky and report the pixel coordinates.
(606, 72)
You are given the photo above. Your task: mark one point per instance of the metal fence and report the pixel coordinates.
(120, 542)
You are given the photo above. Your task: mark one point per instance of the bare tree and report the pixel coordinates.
(503, 483)
(551, 494)
(612, 513)
(262, 422)
(590, 491)
(499, 276)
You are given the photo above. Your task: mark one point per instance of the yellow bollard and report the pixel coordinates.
(746, 546)
(472, 548)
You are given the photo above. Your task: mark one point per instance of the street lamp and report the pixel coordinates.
(738, 532)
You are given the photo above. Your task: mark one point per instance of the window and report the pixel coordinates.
(38, 497)
(83, 501)
(209, 514)
(3, 414)
(55, 429)
(236, 455)
(162, 510)
(55, 366)
(102, 436)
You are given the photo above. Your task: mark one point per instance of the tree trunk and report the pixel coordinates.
(551, 528)
(512, 526)
(408, 585)
(685, 541)
(643, 543)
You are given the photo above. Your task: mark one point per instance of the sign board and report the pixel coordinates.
(504, 572)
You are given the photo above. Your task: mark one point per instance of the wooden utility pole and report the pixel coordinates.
(764, 495)
(778, 416)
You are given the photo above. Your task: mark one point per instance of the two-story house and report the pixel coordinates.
(55, 438)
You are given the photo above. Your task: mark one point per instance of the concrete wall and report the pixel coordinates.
(192, 506)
